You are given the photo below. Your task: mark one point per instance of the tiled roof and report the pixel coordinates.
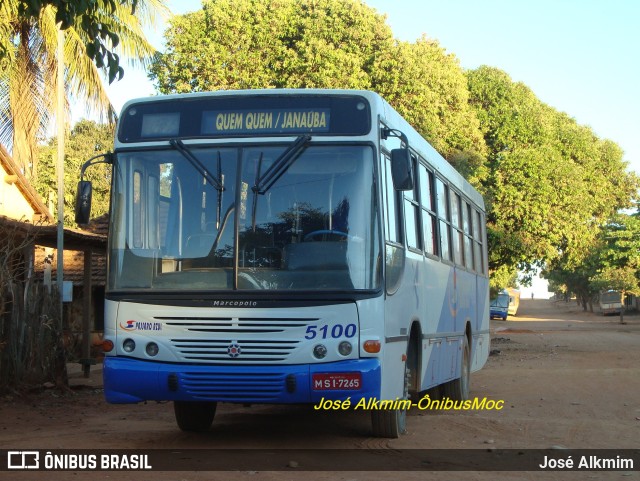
(73, 266)
(95, 232)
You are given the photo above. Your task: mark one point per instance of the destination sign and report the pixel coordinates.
(230, 114)
(265, 121)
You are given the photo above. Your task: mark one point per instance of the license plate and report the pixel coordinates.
(337, 381)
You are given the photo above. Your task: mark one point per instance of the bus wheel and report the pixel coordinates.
(194, 416)
(458, 389)
(391, 423)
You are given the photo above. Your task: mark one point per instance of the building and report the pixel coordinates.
(18, 199)
(28, 239)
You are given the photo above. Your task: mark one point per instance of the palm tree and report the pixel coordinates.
(28, 70)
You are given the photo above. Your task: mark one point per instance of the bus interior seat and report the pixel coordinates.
(314, 265)
(314, 256)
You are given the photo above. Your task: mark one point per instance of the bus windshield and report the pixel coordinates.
(245, 217)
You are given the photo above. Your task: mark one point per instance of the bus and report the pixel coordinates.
(287, 247)
(610, 302)
(514, 300)
(499, 307)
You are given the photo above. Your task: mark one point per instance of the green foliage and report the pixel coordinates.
(621, 241)
(568, 278)
(29, 65)
(239, 44)
(428, 87)
(502, 278)
(619, 255)
(93, 18)
(510, 114)
(551, 182)
(86, 139)
(623, 279)
(611, 262)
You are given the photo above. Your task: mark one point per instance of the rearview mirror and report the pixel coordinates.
(401, 171)
(83, 202)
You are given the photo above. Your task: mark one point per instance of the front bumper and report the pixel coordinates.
(129, 380)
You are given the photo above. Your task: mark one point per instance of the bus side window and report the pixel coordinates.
(412, 212)
(444, 215)
(391, 205)
(428, 202)
(468, 239)
(394, 254)
(456, 228)
(478, 241)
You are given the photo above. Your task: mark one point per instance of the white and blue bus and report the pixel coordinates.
(285, 246)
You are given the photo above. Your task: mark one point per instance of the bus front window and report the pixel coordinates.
(311, 227)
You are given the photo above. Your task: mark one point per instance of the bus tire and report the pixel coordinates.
(194, 416)
(458, 389)
(391, 423)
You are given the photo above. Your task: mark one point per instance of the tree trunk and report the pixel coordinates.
(583, 301)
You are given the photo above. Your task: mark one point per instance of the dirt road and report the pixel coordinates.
(567, 378)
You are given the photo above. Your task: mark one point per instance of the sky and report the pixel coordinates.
(581, 57)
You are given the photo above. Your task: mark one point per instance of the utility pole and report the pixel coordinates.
(60, 171)
(62, 378)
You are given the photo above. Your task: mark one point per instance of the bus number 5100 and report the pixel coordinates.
(337, 331)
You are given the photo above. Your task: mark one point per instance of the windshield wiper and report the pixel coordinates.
(264, 182)
(199, 166)
(281, 165)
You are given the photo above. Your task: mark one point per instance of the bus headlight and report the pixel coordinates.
(129, 345)
(319, 351)
(345, 348)
(152, 349)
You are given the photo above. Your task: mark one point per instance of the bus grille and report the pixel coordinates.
(234, 387)
(237, 341)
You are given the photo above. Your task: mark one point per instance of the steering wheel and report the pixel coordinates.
(311, 235)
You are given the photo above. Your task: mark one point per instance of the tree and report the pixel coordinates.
(92, 16)
(28, 69)
(619, 257)
(85, 140)
(612, 262)
(567, 278)
(551, 182)
(429, 88)
(238, 44)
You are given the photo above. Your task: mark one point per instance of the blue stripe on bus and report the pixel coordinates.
(131, 381)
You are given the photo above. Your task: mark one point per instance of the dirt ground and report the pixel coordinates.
(568, 379)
